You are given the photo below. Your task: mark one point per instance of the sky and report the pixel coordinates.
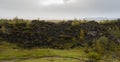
(59, 9)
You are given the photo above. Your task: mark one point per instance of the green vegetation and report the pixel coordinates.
(66, 41)
(11, 53)
(62, 35)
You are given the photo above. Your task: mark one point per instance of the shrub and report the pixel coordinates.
(93, 56)
(100, 45)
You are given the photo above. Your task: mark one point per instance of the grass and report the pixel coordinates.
(11, 53)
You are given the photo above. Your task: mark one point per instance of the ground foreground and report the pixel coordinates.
(11, 53)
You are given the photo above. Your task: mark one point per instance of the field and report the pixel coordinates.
(11, 53)
(70, 41)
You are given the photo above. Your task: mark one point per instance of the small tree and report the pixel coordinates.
(101, 44)
(82, 34)
(93, 57)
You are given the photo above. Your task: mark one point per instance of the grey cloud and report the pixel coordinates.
(106, 5)
(80, 8)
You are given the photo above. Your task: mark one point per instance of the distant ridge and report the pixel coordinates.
(99, 18)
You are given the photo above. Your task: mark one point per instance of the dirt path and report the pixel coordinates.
(45, 57)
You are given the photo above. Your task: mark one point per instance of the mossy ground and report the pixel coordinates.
(11, 53)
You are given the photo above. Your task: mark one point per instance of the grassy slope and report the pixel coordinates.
(10, 53)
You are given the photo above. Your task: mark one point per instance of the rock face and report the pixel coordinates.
(92, 33)
(56, 35)
(96, 30)
(0, 26)
(0, 29)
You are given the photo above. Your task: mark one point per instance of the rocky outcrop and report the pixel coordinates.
(96, 30)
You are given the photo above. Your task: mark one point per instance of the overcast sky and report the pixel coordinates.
(59, 9)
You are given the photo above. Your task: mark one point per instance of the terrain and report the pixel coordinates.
(66, 41)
